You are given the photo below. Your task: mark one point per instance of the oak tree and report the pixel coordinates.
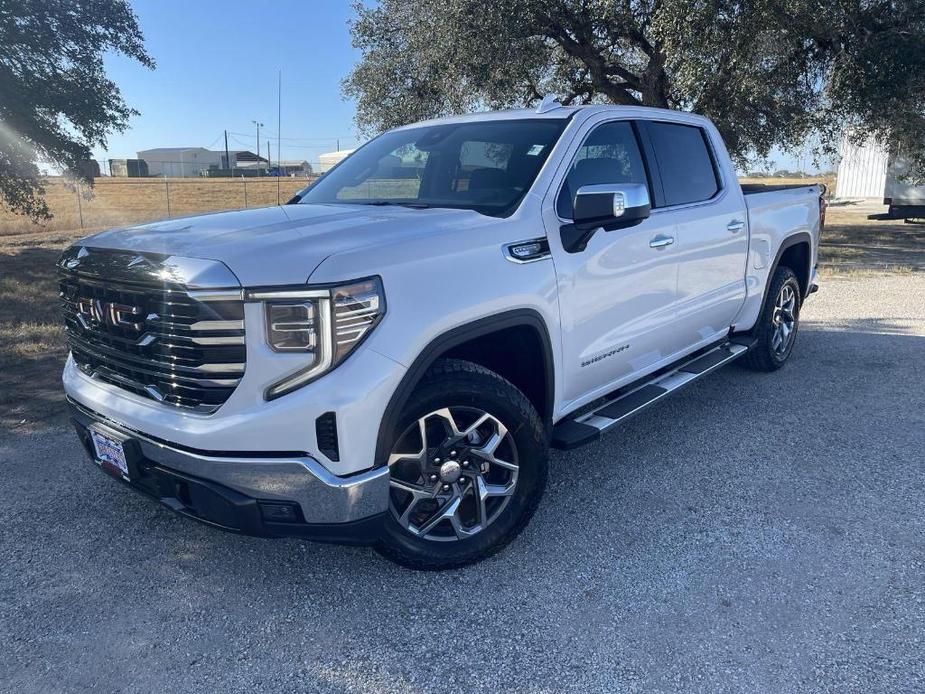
(56, 102)
(768, 72)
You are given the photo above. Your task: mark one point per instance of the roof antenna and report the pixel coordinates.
(549, 102)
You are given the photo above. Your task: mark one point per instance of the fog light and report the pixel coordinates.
(282, 512)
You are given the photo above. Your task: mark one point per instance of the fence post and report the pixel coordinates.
(167, 189)
(80, 210)
(244, 179)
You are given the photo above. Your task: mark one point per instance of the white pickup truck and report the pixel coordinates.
(387, 359)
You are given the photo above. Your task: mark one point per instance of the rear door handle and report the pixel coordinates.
(661, 241)
(735, 226)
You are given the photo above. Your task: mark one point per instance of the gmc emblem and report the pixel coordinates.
(93, 312)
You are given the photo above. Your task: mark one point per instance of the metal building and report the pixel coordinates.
(184, 162)
(330, 159)
(862, 171)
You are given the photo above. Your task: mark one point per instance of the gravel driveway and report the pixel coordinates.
(755, 533)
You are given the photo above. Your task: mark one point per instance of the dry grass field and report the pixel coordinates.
(117, 201)
(121, 201)
(31, 338)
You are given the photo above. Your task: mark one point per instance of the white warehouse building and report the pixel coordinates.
(180, 162)
(328, 160)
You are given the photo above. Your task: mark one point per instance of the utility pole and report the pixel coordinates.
(259, 125)
(269, 159)
(227, 157)
(279, 131)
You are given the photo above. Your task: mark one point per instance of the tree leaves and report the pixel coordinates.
(768, 72)
(56, 102)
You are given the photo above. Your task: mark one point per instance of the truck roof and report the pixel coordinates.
(558, 112)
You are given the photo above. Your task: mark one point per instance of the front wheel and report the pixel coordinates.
(776, 331)
(467, 468)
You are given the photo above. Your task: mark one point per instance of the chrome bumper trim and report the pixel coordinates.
(323, 496)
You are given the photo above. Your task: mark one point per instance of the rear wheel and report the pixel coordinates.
(467, 468)
(776, 331)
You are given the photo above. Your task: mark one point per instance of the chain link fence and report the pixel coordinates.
(116, 201)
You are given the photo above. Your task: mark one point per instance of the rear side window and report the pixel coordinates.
(609, 154)
(684, 163)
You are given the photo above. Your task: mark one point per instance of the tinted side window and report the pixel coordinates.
(684, 163)
(610, 154)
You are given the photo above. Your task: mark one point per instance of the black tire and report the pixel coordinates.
(763, 356)
(454, 383)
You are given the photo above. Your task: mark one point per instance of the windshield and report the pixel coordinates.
(484, 166)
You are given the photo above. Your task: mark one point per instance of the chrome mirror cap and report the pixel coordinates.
(604, 205)
(626, 196)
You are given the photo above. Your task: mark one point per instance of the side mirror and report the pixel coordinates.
(611, 206)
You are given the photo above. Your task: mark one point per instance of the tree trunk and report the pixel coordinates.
(655, 82)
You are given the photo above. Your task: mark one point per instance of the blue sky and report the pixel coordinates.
(217, 66)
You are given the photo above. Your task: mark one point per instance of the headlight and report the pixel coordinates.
(358, 308)
(324, 324)
(292, 327)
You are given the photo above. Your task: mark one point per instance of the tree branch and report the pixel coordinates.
(598, 70)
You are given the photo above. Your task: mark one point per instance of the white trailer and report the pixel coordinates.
(873, 171)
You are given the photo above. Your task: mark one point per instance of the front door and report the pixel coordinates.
(617, 296)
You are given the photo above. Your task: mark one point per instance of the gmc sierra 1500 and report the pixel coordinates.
(387, 358)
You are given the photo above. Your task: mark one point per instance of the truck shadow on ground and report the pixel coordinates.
(751, 505)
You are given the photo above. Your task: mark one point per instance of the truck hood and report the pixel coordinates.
(280, 245)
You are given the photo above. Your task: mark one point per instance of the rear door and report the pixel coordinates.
(709, 216)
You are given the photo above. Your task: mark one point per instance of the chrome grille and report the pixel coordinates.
(180, 346)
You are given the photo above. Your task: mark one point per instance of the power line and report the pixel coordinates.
(312, 147)
(310, 139)
(237, 141)
(313, 139)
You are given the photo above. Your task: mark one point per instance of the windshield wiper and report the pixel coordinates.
(384, 203)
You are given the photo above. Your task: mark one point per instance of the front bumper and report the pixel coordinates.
(245, 493)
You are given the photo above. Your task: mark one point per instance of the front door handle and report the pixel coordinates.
(661, 241)
(735, 226)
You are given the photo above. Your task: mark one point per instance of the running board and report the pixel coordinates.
(588, 426)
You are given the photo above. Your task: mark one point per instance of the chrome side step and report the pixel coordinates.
(588, 426)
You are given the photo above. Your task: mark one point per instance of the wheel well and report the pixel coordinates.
(796, 257)
(517, 353)
(514, 344)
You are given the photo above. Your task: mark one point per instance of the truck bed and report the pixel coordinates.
(754, 188)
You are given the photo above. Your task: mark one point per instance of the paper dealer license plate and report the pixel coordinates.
(109, 453)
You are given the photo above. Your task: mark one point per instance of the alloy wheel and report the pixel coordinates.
(452, 473)
(783, 320)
